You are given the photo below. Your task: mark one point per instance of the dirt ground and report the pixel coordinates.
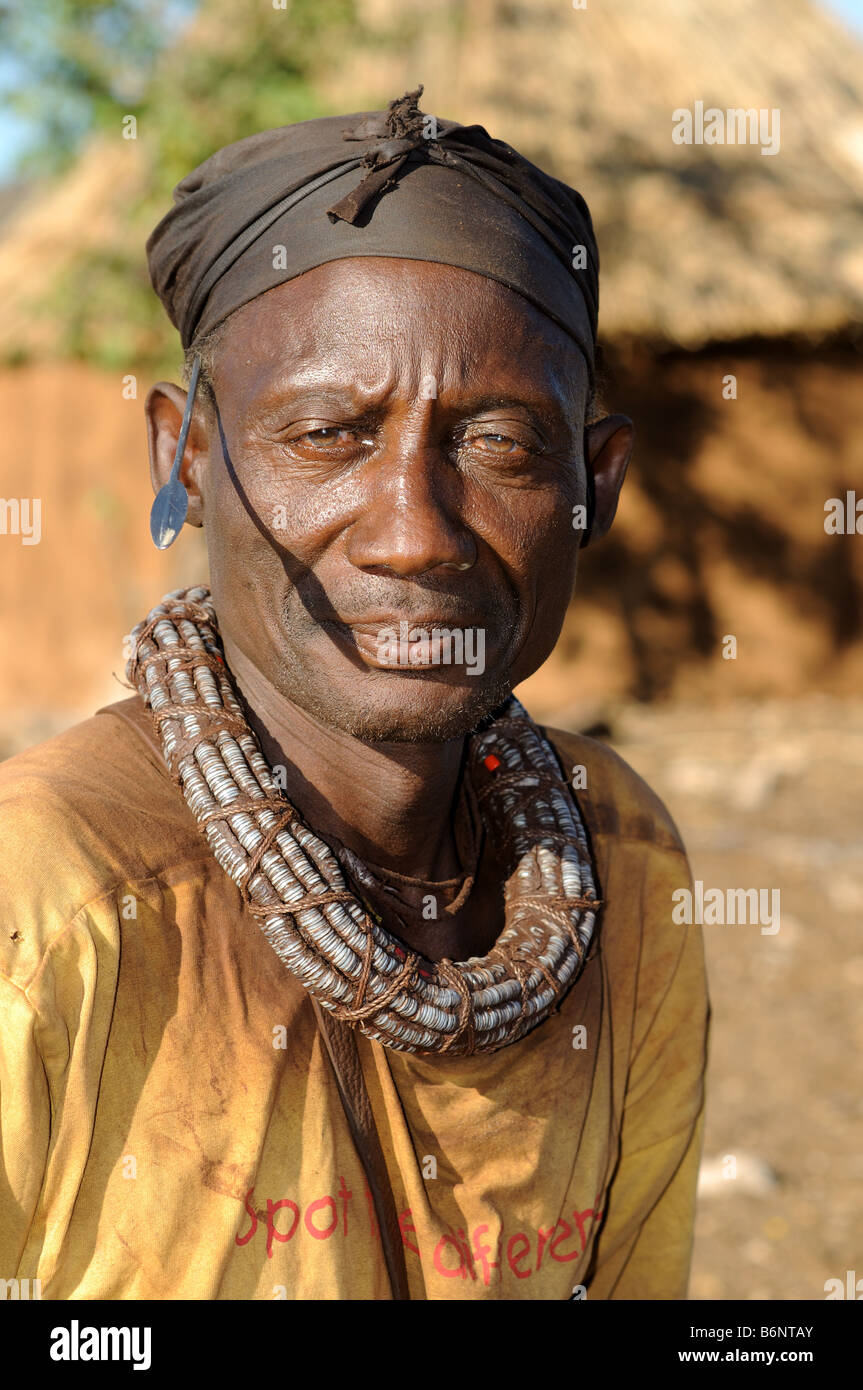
(770, 795)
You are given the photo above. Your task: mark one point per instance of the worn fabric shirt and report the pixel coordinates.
(170, 1126)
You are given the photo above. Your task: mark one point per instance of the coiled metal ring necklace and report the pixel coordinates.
(292, 882)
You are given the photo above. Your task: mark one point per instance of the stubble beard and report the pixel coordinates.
(409, 724)
(416, 715)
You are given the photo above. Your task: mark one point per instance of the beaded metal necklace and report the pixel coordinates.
(292, 881)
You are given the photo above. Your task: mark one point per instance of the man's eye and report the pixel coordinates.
(495, 443)
(326, 434)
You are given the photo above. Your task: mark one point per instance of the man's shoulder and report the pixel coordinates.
(618, 802)
(103, 763)
(85, 811)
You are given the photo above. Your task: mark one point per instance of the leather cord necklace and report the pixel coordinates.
(398, 891)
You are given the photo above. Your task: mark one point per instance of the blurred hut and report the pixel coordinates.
(731, 297)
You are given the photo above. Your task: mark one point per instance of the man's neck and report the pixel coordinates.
(391, 803)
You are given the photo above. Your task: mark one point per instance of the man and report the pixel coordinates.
(327, 975)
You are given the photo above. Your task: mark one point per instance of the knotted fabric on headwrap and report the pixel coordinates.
(384, 183)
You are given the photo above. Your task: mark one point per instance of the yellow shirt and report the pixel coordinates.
(170, 1126)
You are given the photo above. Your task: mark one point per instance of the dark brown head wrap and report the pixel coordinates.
(394, 183)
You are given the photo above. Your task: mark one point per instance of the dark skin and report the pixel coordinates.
(393, 441)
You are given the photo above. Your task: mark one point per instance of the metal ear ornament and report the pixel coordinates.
(172, 501)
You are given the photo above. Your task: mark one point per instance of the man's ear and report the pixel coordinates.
(164, 410)
(608, 448)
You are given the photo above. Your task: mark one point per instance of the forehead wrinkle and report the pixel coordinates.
(373, 367)
(460, 384)
(547, 362)
(383, 307)
(404, 340)
(331, 380)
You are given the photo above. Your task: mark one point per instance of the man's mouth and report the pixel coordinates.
(393, 642)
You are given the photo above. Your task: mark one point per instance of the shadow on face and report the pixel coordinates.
(393, 450)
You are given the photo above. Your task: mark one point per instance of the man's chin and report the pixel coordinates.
(415, 713)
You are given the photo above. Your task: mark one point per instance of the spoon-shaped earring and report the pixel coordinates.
(172, 501)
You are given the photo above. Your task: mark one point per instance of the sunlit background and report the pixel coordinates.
(730, 314)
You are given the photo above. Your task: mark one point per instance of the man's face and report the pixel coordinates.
(397, 445)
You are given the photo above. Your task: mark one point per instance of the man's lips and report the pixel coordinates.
(394, 642)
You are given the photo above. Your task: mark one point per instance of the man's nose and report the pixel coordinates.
(410, 522)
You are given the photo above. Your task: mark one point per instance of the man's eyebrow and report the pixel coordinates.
(534, 403)
(548, 409)
(340, 395)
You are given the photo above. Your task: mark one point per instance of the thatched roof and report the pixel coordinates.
(698, 242)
